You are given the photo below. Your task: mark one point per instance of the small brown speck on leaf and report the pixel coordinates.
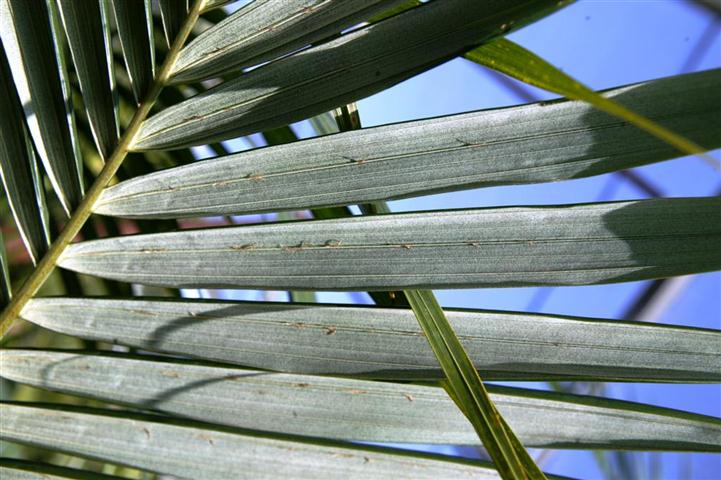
(206, 438)
(409, 397)
(330, 330)
(246, 246)
(295, 248)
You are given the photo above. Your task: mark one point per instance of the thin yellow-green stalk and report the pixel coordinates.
(47, 264)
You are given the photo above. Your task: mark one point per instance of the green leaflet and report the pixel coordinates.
(356, 410)
(467, 390)
(400, 8)
(5, 287)
(513, 246)
(387, 342)
(107, 23)
(267, 29)
(135, 30)
(197, 450)
(172, 12)
(13, 469)
(337, 72)
(18, 169)
(515, 61)
(62, 53)
(86, 37)
(29, 45)
(509, 146)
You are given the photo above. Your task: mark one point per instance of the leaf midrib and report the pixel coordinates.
(47, 264)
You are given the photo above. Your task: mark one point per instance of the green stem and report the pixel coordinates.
(463, 383)
(46, 266)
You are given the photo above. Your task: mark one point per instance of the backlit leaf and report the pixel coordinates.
(29, 46)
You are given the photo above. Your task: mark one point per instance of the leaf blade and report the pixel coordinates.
(86, 36)
(387, 343)
(18, 169)
(5, 287)
(265, 30)
(190, 449)
(26, 35)
(512, 246)
(133, 29)
(172, 14)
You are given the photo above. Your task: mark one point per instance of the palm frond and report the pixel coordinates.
(221, 389)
